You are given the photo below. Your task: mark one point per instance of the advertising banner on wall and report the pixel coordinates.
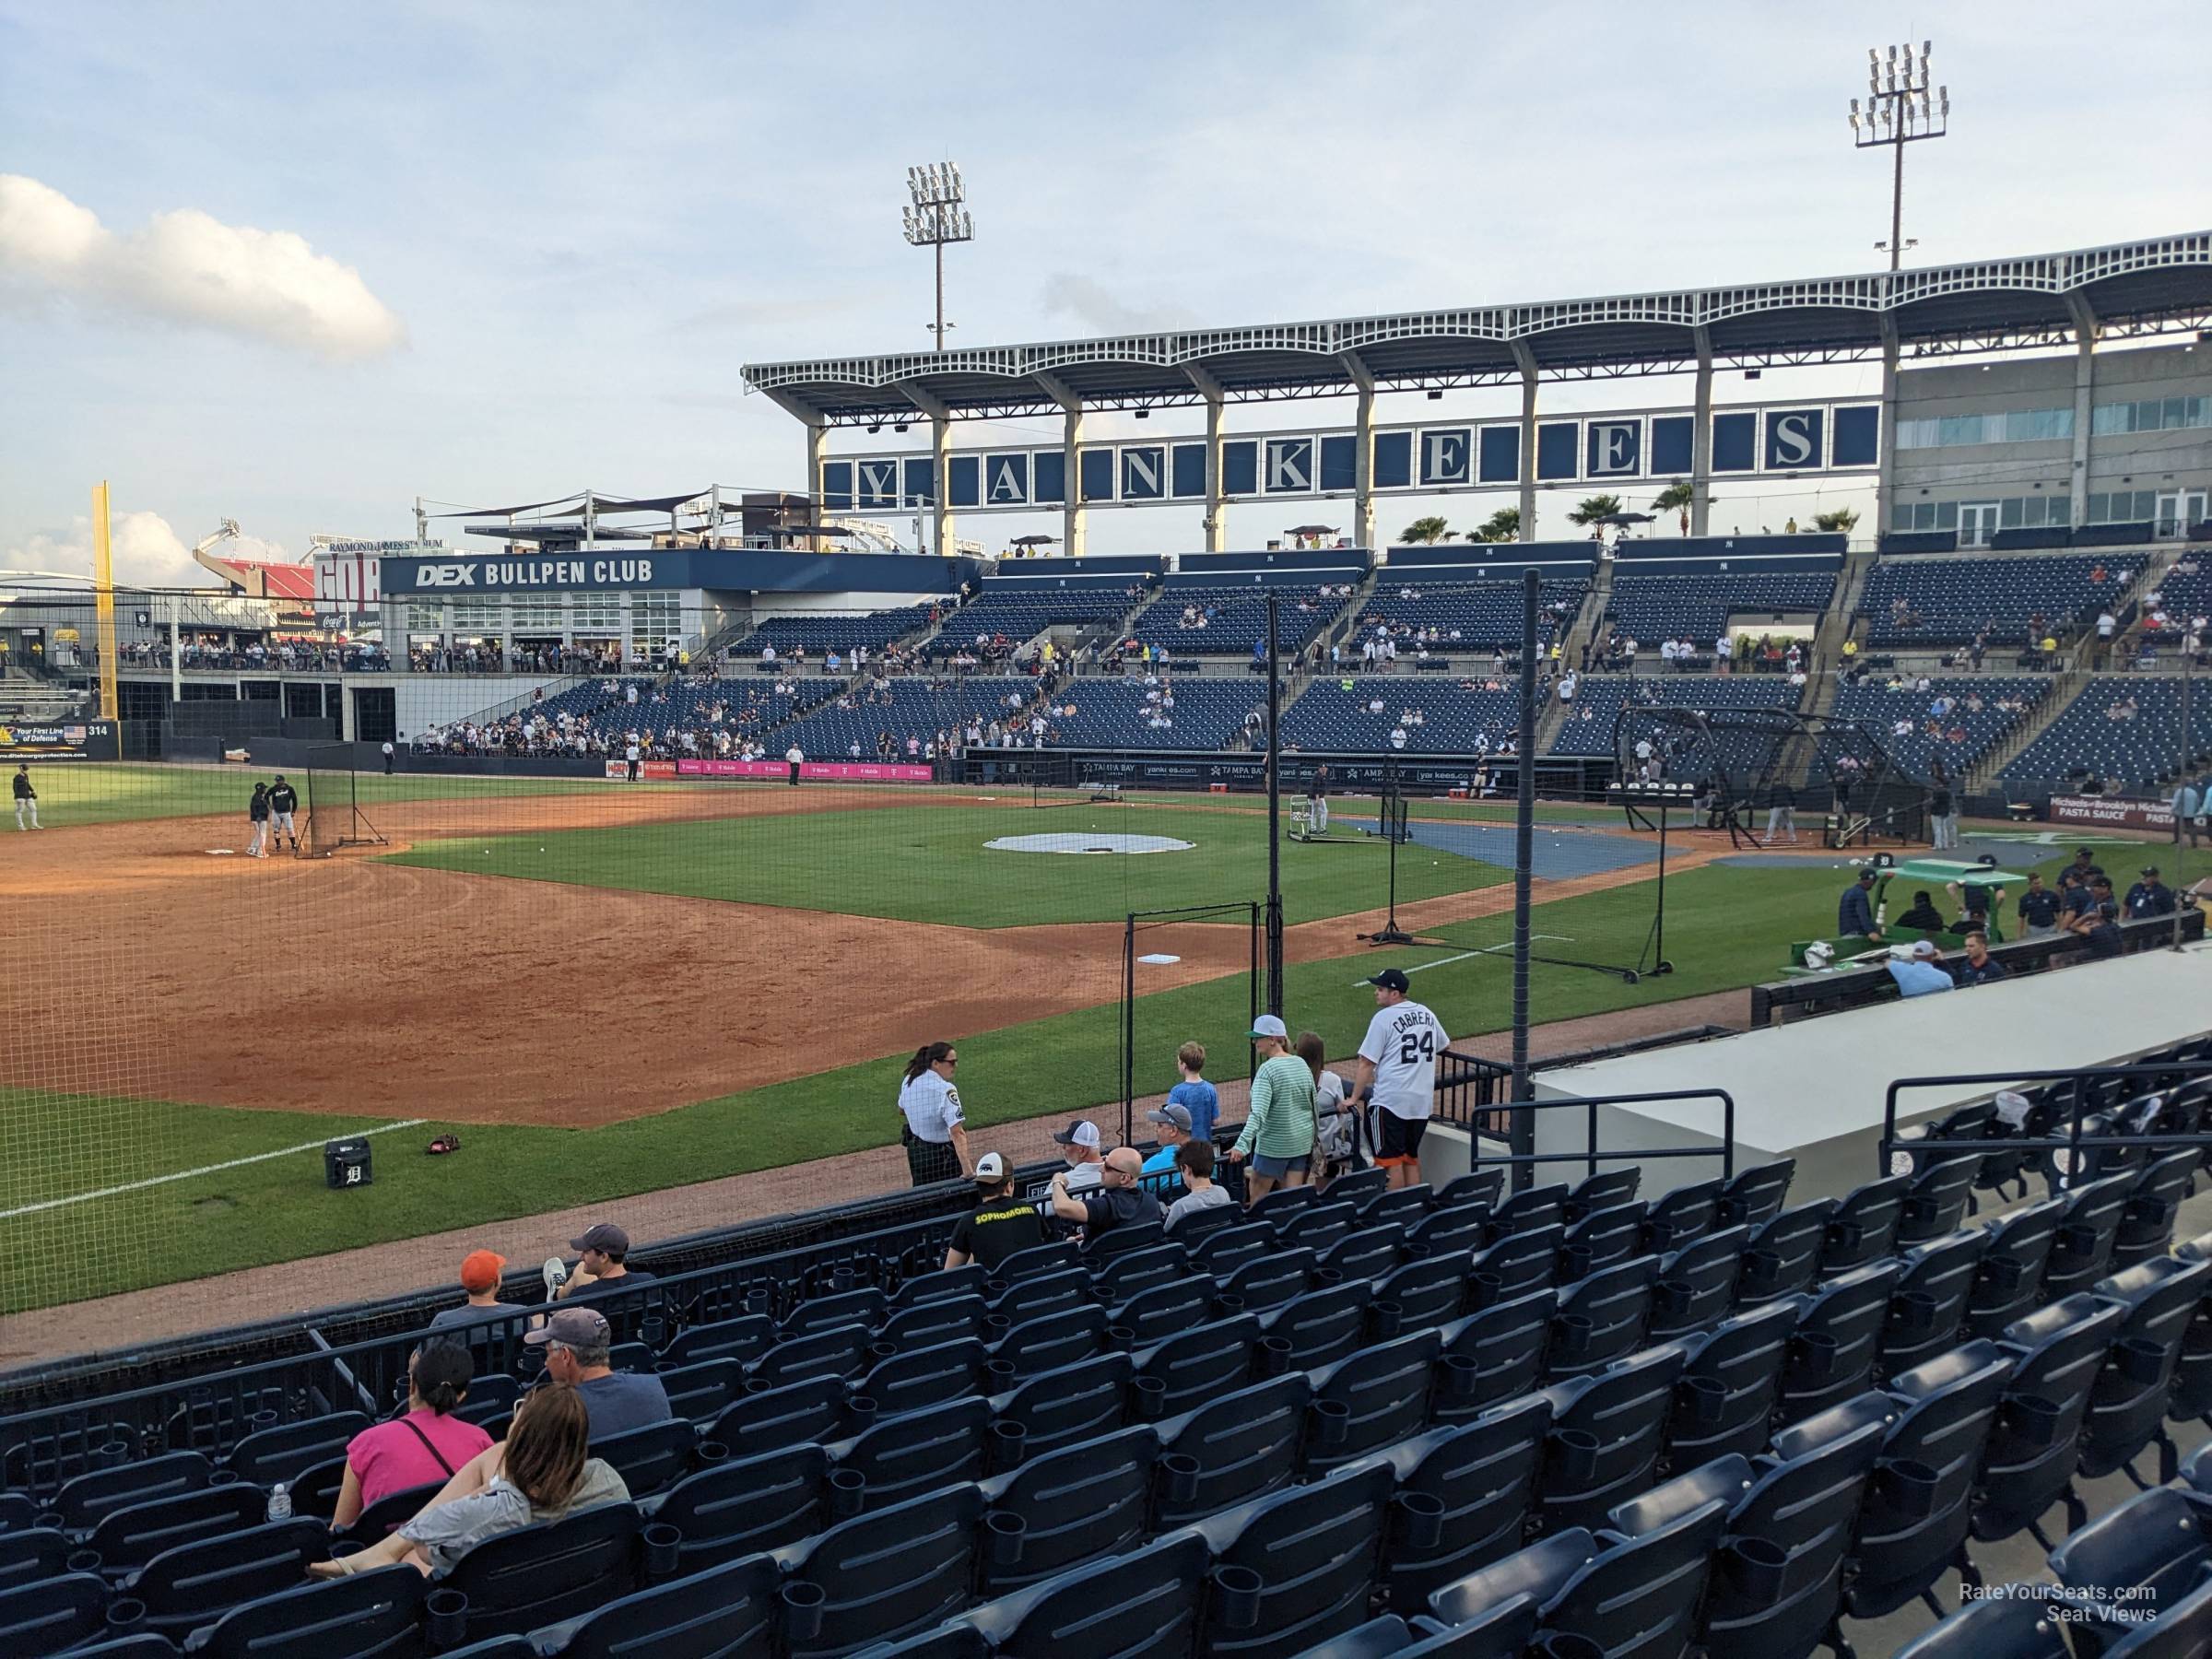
(827, 772)
(64, 740)
(2111, 812)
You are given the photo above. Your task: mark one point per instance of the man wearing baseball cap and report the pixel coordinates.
(601, 1252)
(578, 1343)
(1174, 1123)
(2150, 896)
(1000, 1223)
(1916, 968)
(1396, 1075)
(1085, 1168)
(481, 1273)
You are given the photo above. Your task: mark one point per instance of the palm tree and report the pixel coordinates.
(1503, 526)
(1595, 508)
(1675, 498)
(1423, 532)
(1843, 519)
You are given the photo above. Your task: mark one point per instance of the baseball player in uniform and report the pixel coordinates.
(27, 798)
(283, 800)
(1317, 801)
(1396, 1075)
(257, 813)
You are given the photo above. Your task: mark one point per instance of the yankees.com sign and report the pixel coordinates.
(579, 573)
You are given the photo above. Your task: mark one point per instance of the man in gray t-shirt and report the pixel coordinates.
(1195, 1163)
(481, 1273)
(577, 1343)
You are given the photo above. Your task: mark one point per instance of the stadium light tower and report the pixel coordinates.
(1900, 110)
(937, 215)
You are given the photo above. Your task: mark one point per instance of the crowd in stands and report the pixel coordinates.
(2021, 603)
(1417, 618)
(2121, 734)
(486, 656)
(1924, 720)
(1214, 620)
(681, 719)
(258, 656)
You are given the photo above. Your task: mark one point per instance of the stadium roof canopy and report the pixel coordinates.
(2033, 301)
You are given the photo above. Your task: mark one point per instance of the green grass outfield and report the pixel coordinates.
(929, 863)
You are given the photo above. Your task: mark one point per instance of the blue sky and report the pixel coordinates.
(568, 225)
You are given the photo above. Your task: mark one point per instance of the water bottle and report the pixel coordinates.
(280, 1501)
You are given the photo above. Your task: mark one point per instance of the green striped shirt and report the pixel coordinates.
(1280, 1121)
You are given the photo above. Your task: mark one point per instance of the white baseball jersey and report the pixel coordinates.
(1402, 1043)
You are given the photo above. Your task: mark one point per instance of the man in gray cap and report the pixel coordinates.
(578, 1343)
(600, 1265)
(1174, 1125)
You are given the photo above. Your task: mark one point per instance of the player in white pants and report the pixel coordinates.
(27, 798)
(283, 800)
(257, 812)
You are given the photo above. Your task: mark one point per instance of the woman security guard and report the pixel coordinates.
(934, 1137)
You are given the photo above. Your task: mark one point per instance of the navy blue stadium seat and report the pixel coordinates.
(1370, 1252)
(378, 1520)
(703, 1390)
(1140, 1270)
(1449, 1227)
(127, 1538)
(769, 1419)
(927, 1324)
(1476, 1186)
(1362, 1188)
(1271, 1279)
(1601, 1238)
(1752, 1197)
(2128, 1402)
(1222, 1253)
(2082, 1251)
(16, 1511)
(838, 1352)
(197, 1582)
(1602, 1318)
(1364, 1403)
(1201, 1362)
(1863, 1227)
(1935, 1204)
(1313, 1549)
(33, 1553)
(1321, 1326)
(1603, 1191)
(733, 1609)
(1783, 1257)
(1682, 1216)
(269, 1455)
(1156, 1601)
(1430, 1292)
(1319, 1227)
(2184, 1631)
(1539, 1206)
(1080, 1402)
(888, 1573)
(1837, 1342)
(1039, 1261)
(83, 1501)
(2014, 1622)
(1239, 1446)
(924, 1377)
(1636, 1600)
(547, 1572)
(651, 1457)
(905, 1456)
(1730, 1382)
(1607, 1435)
(1518, 1264)
(1696, 1284)
(2010, 1281)
(1057, 1512)
(1493, 1355)
(2058, 1352)
(1913, 1525)
(52, 1614)
(743, 1339)
(2147, 1225)
(1482, 1477)
(2136, 1563)
(1121, 1242)
(1041, 1295)
(1928, 1302)
(369, 1616)
(753, 1504)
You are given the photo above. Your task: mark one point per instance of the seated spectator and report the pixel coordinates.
(1083, 1166)
(600, 1264)
(1924, 915)
(542, 1471)
(1194, 1162)
(426, 1444)
(1916, 968)
(481, 1273)
(578, 1343)
(2150, 896)
(1118, 1202)
(1979, 968)
(998, 1225)
(1174, 1124)
(2093, 915)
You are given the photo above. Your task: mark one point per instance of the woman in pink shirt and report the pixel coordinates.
(422, 1448)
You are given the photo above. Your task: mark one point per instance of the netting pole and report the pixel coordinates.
(1275, 809)
(1129, 1028)
(2182, 776)
(1523, 1130)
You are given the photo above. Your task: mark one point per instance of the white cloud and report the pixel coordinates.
(188, 269)
(146, 552)
(1095, 306)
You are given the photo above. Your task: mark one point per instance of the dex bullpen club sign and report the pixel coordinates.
(583, 572)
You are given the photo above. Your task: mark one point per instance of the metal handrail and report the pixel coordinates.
(2072, 1141)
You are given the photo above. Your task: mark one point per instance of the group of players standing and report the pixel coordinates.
(270, 813)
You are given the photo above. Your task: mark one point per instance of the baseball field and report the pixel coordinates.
(608, 989)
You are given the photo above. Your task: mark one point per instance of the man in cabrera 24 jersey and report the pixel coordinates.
(1396, 1075)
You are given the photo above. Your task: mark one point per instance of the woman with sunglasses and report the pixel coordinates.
(934, 1133)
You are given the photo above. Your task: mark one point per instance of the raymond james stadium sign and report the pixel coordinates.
(513, 575)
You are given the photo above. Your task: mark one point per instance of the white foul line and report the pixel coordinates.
(1464, 955)
(134, 1186)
